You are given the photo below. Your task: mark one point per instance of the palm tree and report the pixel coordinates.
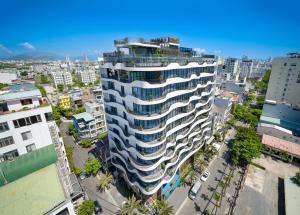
(130, 206)
(104, 181)
(200, 164)
(163, 208)
(192, 176)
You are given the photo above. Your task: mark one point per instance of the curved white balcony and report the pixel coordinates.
(154, 189)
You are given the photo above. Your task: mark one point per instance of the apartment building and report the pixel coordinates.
(64, 101)
(284, 84)
(231, 68)
(32, 156)
(91, 123)
(221, 109)
(62, 77)
(244, 70)
(280, 119)
(86, 76)
(158, 100)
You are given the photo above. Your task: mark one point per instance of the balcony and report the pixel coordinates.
(151, 60)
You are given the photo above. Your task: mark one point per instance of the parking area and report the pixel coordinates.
(263, 192)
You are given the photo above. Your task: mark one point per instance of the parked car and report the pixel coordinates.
(195, 189)
(97, 207)
(205, 176)
(82, 175)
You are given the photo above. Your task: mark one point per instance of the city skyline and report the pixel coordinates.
(259, 30)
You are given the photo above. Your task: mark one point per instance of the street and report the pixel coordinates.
(218, 168)
(111, 199)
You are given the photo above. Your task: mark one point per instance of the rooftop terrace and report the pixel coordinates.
(19, 90)
(34, 194)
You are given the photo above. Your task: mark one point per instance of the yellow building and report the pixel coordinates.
(64, 101)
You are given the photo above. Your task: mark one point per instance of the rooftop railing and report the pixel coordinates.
(152, 60)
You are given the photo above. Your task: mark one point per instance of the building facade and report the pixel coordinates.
(244, 70)
(86, 76)
(91, 123)
(231, 68)
(284, 84)
(32, 154)
(158, 99)
(62, 77)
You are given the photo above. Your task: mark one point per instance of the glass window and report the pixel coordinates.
(26, 135)
(26, 102)
(30, 147)
(6, 141)
(4, 126)
(8, 156)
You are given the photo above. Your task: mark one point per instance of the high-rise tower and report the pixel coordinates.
(157, 98)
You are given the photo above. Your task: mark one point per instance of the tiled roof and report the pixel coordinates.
(289, 147)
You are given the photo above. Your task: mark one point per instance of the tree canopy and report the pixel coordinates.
(92, 166)
(85, 143)
(246, 146)
(86, 208)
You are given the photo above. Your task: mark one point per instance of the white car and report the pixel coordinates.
(204, 176)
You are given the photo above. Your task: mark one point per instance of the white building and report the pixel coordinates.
(62, 77)
(91, 123)
(86, 76)
(8, 76)
(30, 142)
(284, 84)
(231, 68)
(244, 70)
(221, 109)
(158, 110)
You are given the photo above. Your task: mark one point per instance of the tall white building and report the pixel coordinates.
(158, 109)
(284, 84)
(32, 155)
(62, 77)
(231, 68)
(244, 69)
(86, 76)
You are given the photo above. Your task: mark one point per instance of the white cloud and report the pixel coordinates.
(217, 51)
(27, 45)
(5, 49)
(200, 50)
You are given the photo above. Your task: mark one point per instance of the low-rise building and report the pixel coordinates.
(91, 123)
(32, 155)
(221, 110)
(8, 76)
(64, 101)
(280, 128)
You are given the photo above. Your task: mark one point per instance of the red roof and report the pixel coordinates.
(284, 145)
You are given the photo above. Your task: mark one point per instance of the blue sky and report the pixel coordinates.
(259, 29)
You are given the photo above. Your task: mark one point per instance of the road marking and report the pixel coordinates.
(181, 206)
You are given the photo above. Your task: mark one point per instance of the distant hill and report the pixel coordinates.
(33, 56)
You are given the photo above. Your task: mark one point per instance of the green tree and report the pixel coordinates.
(296, 178)
(130, 206)
(77, 170)
(92, 166)
(105, 181)
(85, 143)
(60, 87)
(69, 86)
(163, 207)
(69, 154)
(2, 85)
(97, 82)
(42, 90)
(23, 73)
(44, 79)
(102, 136)
(86, 208)
(71, 128)
(246, 146)
(56, 114)
(200, 164)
